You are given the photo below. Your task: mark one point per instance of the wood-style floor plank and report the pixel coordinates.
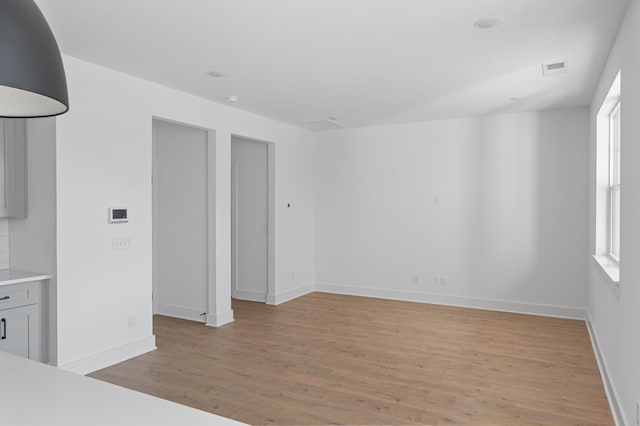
(330, 359)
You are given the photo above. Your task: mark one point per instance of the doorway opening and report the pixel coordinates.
(180, 220)
(252, 220)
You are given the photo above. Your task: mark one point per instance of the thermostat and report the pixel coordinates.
(118, 215)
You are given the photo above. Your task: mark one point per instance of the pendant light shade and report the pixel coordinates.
(32, 79)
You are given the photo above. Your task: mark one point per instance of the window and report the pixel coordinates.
(614, 183)
(608, 159)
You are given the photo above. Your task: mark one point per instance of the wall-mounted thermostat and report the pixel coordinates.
(118, 215)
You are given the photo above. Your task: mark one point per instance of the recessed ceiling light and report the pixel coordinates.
(487, 23)
(216, 74)
(232, 98)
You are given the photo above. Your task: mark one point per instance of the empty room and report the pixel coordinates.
(309, 212)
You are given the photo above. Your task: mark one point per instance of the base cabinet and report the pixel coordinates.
(18, 331)
(21, 327)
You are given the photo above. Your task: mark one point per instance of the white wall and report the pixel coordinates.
(180, 216)
(33, 240)
(104, 158)
(615, 312)
(294, 225)
(495, 205)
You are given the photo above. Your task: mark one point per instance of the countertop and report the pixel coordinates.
(37, 394)
(12, 276)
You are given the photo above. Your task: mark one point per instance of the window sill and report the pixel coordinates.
(611, 268)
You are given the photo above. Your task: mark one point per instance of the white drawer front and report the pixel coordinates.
(13, 296)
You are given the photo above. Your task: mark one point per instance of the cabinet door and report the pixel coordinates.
(13, 165)
(4, 212)
(16, 327)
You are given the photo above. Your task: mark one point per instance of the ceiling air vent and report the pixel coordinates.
(554, 68)
(326, 124)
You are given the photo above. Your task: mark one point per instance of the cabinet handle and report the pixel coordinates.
(5, 298)
(4, 329)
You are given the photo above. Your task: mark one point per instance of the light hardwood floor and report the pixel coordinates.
(329, 359)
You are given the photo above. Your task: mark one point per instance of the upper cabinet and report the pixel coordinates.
(13, 165)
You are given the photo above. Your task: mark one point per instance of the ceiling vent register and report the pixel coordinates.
(555, 68)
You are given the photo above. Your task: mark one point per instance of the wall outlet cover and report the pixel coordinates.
(121, 243)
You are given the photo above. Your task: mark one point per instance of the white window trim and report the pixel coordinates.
(603, 256)
(613, 186)
(611, 268)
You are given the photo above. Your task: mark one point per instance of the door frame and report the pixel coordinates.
(211, 216)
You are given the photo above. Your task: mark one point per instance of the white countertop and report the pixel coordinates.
(34, 394)
(12, 276)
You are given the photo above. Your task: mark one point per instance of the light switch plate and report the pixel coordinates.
(121, 243)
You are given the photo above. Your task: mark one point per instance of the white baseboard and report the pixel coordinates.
(609, 386)
(111, 356)
(180, 312)
(218, 320)
(461, 301)
(289, 295)
(251, 296)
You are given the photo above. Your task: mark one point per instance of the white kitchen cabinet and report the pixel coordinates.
(21, 320)
(18, 330)
(13, 168)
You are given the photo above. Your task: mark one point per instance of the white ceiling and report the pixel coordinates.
(364, 62)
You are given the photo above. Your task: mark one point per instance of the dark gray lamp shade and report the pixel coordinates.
(32, 79)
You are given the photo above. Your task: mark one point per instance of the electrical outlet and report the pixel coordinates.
(132, 321)
(293, 276)
(439, 281)
(415, 279)
(121, 243)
